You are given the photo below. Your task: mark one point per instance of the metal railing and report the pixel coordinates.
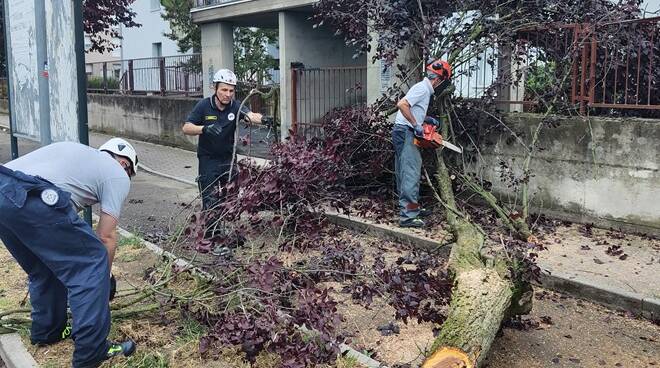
(180, 75)
(205, 3)
(4, 86)
(519, 74)
(603, 72)
(317, 91)
(621, 72)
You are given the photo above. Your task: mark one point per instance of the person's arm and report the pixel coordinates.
(254, 117)
(404, 107)
(193, 124)
(192, 129)
(106, 230)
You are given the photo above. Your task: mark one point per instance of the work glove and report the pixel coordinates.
(419, 130)
(213, 130)
(113, 286)
(267, 120)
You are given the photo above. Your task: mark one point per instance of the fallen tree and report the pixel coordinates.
(489, 284)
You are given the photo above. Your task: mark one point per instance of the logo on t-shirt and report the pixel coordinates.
(231, 116)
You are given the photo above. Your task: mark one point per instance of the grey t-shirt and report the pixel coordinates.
(91, 176)
(418, 97)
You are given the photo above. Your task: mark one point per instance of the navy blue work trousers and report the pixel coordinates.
(213, 173)
(64, 260)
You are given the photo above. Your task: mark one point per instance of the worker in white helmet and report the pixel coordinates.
(68, 264)
(213, 119)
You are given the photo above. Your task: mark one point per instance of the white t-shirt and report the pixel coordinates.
(418, 97)
(91, 176)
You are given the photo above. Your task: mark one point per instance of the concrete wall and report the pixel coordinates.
(149, 118)
(606, 171)
(301, 42)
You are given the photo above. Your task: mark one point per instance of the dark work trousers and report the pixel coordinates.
(64, 260)
(213, 173)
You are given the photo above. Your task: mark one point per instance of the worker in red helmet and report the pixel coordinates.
(408, 124)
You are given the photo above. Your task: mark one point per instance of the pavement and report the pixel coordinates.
(577, 262)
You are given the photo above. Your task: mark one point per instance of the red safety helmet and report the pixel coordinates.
(441, 68)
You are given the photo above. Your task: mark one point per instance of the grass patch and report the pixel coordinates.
(190, 331)
(144, 360)
(347, 362)
(131, 241)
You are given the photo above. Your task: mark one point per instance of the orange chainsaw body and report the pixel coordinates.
(432, 139)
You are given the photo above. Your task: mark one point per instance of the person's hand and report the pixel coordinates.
(113, 286)
(267, 120)
(212, 130)
(419, 130)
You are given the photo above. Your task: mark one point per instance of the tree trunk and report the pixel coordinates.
(481, 298)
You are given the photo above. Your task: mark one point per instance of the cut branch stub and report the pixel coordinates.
(448, 357)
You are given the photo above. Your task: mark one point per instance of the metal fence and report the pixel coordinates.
(4, 86)
(621, 72)
(180, 75)
(205, 3)
(603, 72)
(317, 91)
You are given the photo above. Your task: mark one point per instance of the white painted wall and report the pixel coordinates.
(139, 42)
(651, 8)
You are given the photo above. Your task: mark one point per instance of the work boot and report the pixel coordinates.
(125, 348)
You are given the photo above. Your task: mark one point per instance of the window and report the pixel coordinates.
(157, 49)
(88, 42)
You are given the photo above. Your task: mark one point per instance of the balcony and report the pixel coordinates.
(200, 4)
(258, 13)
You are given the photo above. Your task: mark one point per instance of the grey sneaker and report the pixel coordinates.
(415, 223)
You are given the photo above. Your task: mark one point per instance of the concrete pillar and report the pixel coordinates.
(514, 75)
(381, 77)
(291, 50)
(317, 47)
(217, 50)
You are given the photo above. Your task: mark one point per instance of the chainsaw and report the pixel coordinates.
(431, 138)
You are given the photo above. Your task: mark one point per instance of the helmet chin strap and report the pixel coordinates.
(219, 103)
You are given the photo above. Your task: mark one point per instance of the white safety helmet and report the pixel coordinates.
(120, 147)
(225, 76)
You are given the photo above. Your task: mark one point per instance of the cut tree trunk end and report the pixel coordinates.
(483, 295)
(449, 358)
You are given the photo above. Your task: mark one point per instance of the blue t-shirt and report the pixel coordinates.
(206, 113)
